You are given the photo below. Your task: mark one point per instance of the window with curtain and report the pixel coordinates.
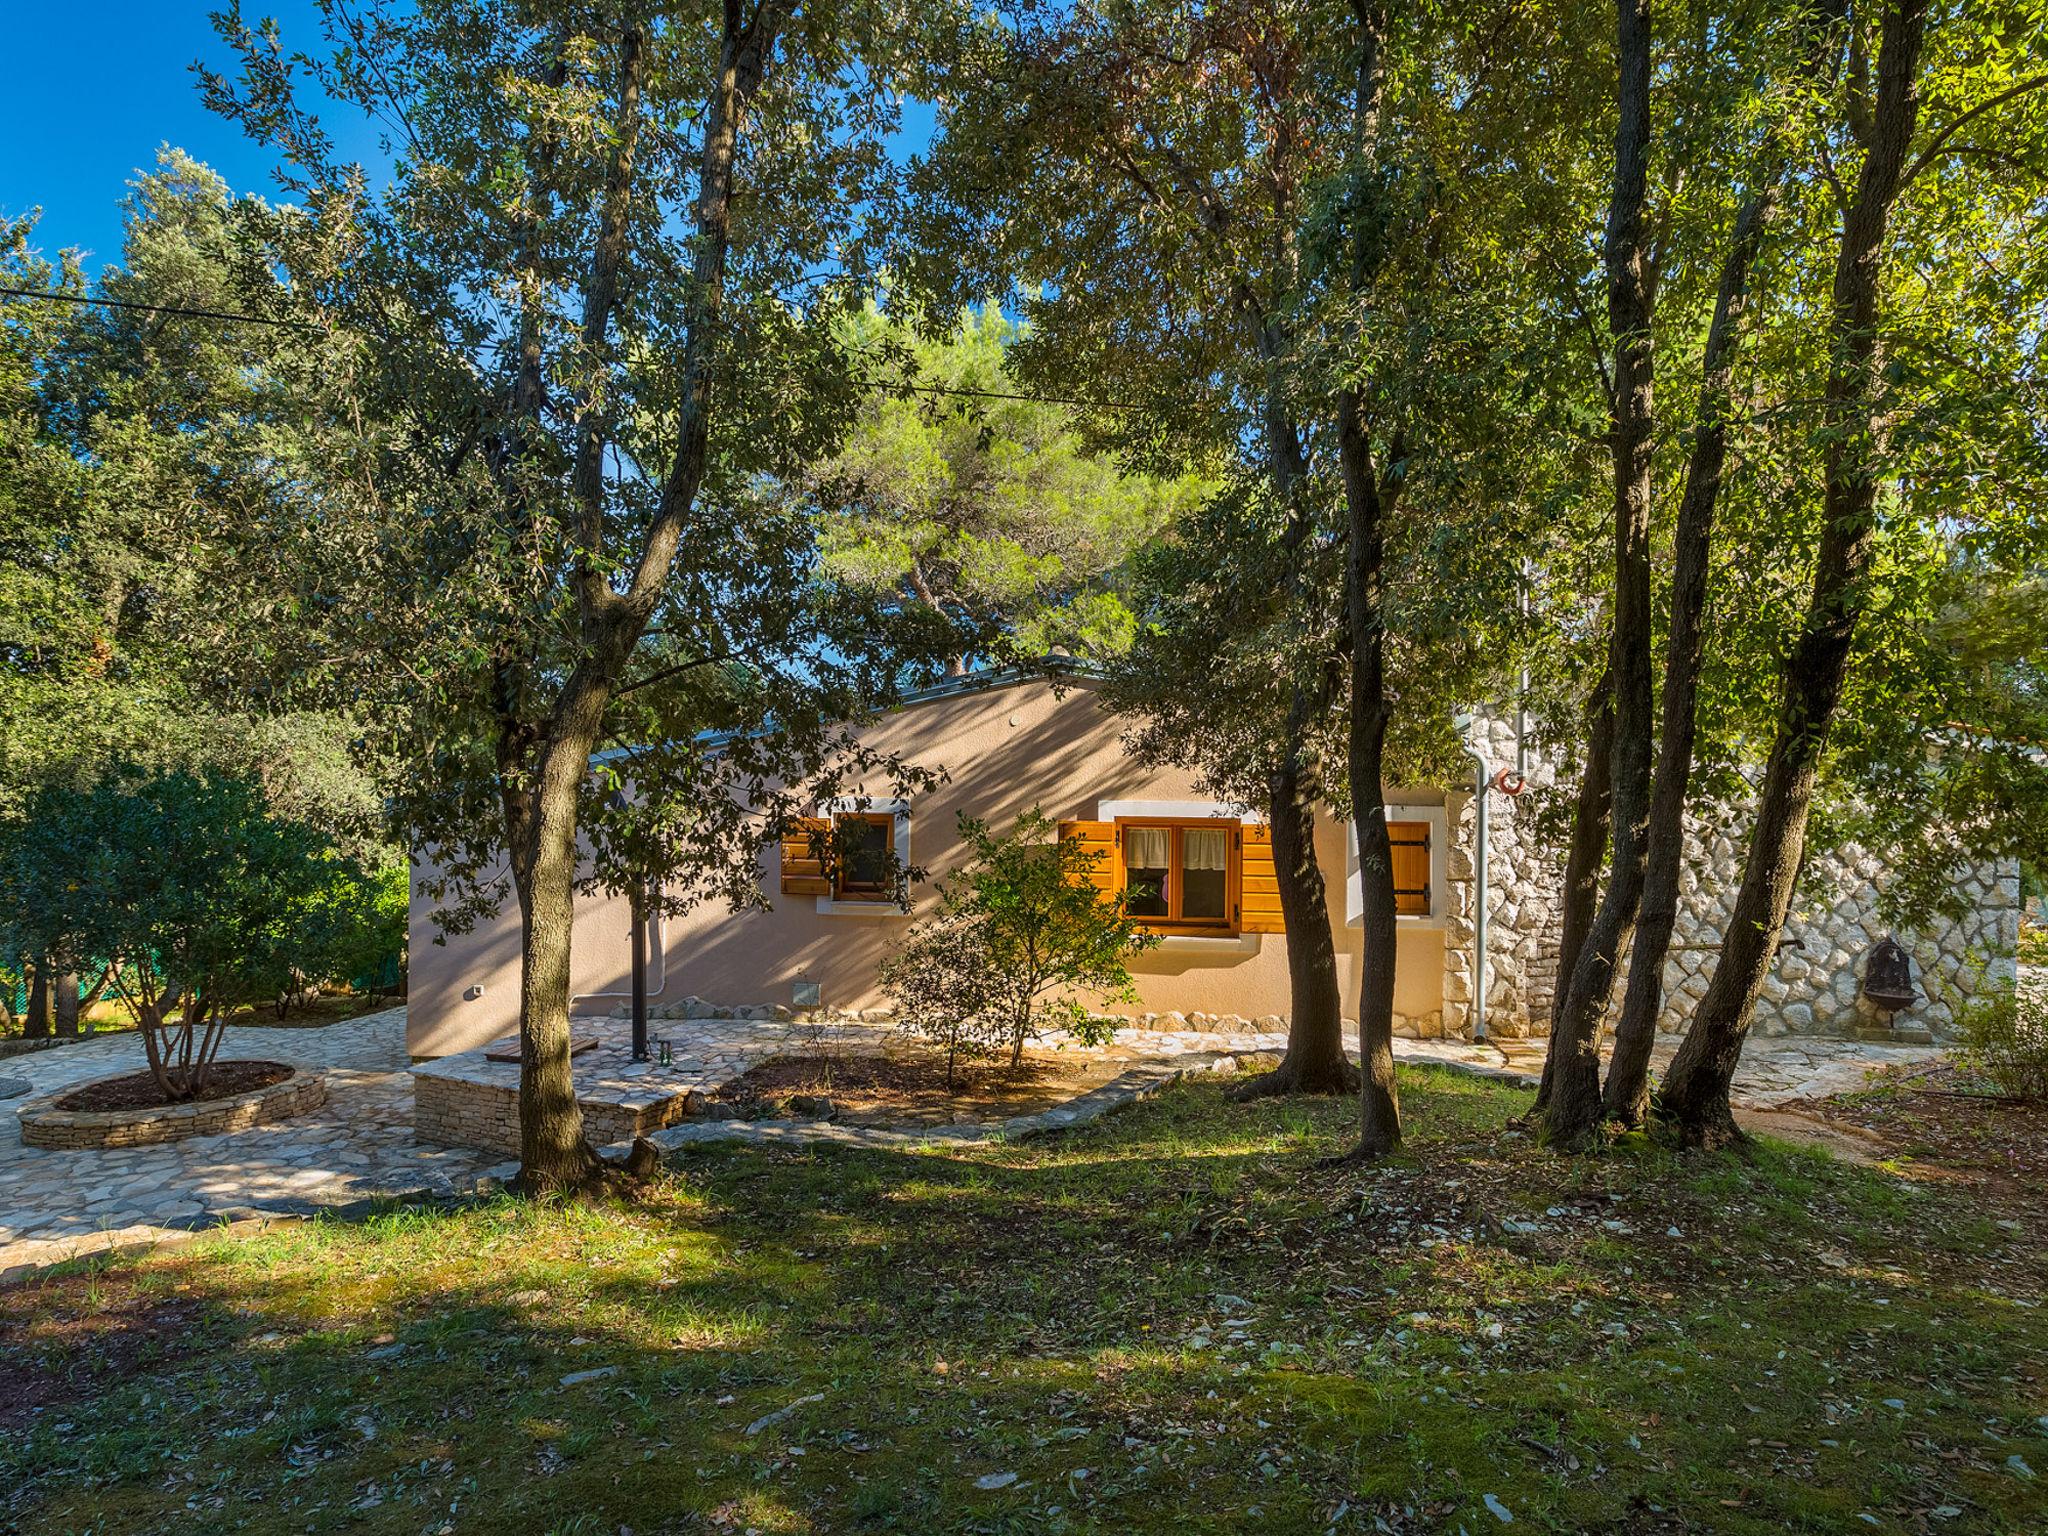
(1180, 874)
(1148, 870)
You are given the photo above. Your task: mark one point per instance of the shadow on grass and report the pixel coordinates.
(1167, 1320)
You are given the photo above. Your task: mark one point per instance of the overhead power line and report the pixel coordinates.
(961, 391)
(161, 309)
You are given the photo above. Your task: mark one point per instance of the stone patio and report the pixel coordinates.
(361, 1145)
(358, 1146)
(472, 1100)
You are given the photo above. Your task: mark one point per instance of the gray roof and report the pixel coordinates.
(1055, 668)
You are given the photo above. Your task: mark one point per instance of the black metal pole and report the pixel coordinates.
(639, 975)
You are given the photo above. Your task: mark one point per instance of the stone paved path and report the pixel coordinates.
(1774, 1071)
(56, 1205)
(357, 1146)
(705, 1055)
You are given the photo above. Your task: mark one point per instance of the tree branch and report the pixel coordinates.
(1934, 148)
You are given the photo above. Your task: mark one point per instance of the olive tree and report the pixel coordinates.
(578, 348)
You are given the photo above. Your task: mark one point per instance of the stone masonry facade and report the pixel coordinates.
(1815, 987)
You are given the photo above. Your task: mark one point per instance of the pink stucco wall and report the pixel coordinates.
(1004, 750)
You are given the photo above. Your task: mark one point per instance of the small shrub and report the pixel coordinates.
(2004, 1036)
(1019, 936)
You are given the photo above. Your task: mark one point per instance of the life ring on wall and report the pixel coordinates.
(1509, 782)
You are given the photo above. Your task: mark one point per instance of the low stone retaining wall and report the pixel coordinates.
(461, 1112)
(1428, 1027)
(22, 1047)
(44, 1125)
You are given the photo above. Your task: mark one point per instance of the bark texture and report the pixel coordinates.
(1370, 496)
(1628, 1073)
(1581, 890)
(1369, 505)
(39, 1023)
(1694, 1096)
(1627, 1094)
(1573, 1112)
(65, 1005)
(1314, 1061)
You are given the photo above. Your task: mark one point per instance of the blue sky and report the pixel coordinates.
(74, 141)
(71, 144)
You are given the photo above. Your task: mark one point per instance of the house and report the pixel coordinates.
(1202, 871)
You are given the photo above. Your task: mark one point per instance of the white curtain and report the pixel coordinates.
(1205, 848)
(1147, 847)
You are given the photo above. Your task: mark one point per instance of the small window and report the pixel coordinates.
(1148, 870)
(866, 866)
(1410, 840)
(1180, 874)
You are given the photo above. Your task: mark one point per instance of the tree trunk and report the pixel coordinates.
(1628, 1073)
(1315, 1060)
(65, 1001)
(38, 1023)
(1369, 500)
(1581, 891)
(1694, 1096)
(1368, 506)
(553, 1154)
(1573, 1113)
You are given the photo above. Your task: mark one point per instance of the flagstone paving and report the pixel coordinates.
(360, 1145)
(357, 1146)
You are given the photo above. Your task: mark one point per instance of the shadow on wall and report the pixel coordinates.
(1060, 756)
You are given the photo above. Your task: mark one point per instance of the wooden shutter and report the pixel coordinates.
(1410, 840)
(1098, 838)
(1259, 887)
(803, 863)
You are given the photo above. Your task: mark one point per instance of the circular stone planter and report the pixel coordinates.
(44, 1125)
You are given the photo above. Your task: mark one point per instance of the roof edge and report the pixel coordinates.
(1056, 668)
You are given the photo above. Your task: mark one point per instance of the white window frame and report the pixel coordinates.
(869, 805)
(1439, 819)
(1174, 810)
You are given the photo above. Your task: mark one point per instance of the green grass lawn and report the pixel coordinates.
(1171, 1321)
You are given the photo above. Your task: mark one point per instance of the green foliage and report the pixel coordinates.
(352, 925)
(555, 511)
(2003, 1034)
(1022, 943)
(988, 509)
(1161, 184)
(209, 899)
(128, 441)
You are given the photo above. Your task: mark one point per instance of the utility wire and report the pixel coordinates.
(306, 325)
(161, 309)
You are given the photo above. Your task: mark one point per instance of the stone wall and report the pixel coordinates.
(461, 1112)
(45, 1125)
(1816, 985)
